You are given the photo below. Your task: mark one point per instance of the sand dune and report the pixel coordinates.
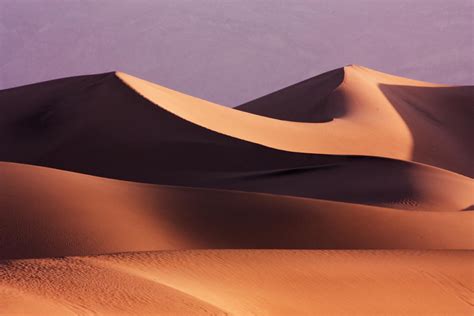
(350, 159)
(128, 138)
(244, 282)
(47, 212)
(368, 113)
(437, 116)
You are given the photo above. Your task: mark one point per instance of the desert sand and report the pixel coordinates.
(368, 113)
(97, 125)
(243, 282)
(349, 193)
(95, 215)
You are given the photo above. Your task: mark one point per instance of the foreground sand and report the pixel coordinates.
(243, 282)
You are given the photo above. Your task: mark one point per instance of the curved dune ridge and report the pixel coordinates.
(350, 159)
(368, 113)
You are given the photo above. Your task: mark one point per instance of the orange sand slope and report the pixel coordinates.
(48, 212)
(366, 113)
(243, 282)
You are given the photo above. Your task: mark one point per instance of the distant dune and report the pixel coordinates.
(368, 113)
(96, 165)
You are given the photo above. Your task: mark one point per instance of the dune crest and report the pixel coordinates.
(337, 137)
(367, 119)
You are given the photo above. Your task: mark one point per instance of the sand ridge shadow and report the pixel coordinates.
(314, 100)
(440, 122)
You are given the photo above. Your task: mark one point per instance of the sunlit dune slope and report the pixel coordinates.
(243, 282)
(358, 111)
(437, 116)
(364, 112)
(48, 213)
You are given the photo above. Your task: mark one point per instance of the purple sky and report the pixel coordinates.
(233, 51)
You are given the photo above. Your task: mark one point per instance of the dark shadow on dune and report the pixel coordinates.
(440, 121)
(314, 100)
(235, 220)
(361, 180)
(232, 221)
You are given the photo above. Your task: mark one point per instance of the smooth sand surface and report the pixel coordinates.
(49, 212)
(243, 282)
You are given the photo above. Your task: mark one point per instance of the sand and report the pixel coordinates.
(349, 193)
(243, 282)
(372, 114)
(97, 125)
(94, 215)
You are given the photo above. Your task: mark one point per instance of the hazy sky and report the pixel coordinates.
(233, 51)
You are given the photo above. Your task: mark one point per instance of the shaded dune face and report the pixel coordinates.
(440, 121)
(98, 125)
(93, 215)
(314, 100)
